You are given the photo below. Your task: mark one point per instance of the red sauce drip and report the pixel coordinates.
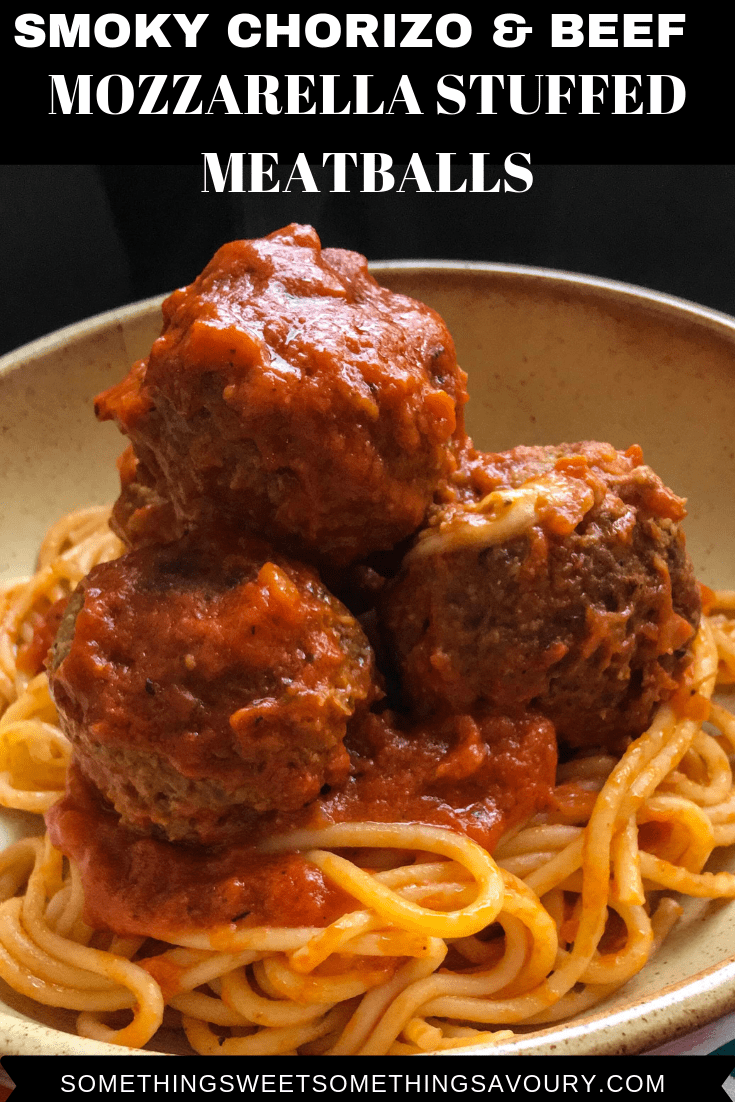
(476, 777)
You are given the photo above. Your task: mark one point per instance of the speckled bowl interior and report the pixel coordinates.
(551, 357)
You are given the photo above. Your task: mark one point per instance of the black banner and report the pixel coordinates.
(564, 88)
(603, 1078)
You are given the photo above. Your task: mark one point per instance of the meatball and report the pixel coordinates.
(294, 397)
(203, 682)
(554, 579)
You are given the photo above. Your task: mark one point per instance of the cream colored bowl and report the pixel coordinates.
(551, 357)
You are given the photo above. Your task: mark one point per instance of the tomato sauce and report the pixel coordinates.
(477, 777)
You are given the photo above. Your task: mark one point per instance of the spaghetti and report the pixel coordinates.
(444, 947)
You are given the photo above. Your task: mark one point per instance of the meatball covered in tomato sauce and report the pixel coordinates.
(203, 682)
(554, 579)
(292, 396)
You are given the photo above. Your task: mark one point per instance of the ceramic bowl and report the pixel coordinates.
(551, 357)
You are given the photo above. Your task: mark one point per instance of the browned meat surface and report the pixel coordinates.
(140, 515)
(573, 595)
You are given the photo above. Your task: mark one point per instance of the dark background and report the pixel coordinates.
(76, 239)
(79, 239)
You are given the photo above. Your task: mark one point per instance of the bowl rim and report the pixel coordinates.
(563, 276)
(21, 1037)
(579, 280)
